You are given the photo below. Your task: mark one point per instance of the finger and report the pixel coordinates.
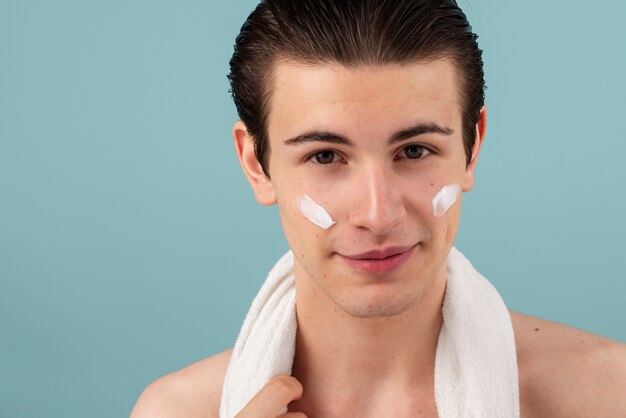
(274, 396)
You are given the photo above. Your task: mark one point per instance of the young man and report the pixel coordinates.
(372, 112)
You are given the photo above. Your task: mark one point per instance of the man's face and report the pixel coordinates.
(353, 140)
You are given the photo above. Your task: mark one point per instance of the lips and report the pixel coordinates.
(379, 261)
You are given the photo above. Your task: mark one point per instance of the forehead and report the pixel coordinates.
(371, 98)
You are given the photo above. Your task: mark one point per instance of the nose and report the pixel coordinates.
(377, 204)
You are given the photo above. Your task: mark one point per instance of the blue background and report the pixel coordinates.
(131, 245)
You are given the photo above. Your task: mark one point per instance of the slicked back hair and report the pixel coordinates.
(351, 33)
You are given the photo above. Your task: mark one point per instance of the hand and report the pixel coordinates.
(273, 397)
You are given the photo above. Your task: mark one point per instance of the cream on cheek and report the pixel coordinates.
(314, 212)
(445, 198)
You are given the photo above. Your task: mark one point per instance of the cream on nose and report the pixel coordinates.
(445, 198)
(315, 212)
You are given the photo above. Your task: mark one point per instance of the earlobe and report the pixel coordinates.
(481, 127)
(260, 183)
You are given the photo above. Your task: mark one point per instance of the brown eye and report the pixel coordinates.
(414, 151)
(324, 157)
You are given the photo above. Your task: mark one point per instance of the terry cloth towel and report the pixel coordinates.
(475, 363)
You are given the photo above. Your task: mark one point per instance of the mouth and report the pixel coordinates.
(379, 261)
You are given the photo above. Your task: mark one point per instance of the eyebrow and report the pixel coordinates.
(398, 136)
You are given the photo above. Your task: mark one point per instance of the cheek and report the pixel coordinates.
(315, 212)
(444, 199)
(450, 223)
(300, 216)
(440, 213)
(432, 202)
(310, 212)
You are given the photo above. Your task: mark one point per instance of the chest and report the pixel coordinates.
(421, 405)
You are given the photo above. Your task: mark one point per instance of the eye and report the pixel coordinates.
(324, 157)
(415, 151)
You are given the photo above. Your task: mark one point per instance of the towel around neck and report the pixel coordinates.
(475, 366)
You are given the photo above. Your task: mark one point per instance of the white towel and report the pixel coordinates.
(475, 364)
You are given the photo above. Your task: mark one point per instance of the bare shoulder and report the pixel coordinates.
(193, 391)
(566, 372)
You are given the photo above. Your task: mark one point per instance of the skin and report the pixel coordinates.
(376, 333)
(366, 342)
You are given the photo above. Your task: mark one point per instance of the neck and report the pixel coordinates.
(342, 358)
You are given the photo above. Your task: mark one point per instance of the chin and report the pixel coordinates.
(378, 305)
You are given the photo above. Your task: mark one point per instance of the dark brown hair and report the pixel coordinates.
(351, 33)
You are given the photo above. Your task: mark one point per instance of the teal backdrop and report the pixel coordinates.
(131, 244)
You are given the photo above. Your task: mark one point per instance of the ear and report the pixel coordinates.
(261, 184)
(481, 127)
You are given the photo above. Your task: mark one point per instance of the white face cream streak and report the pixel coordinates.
(445, 198)
(315, 213)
